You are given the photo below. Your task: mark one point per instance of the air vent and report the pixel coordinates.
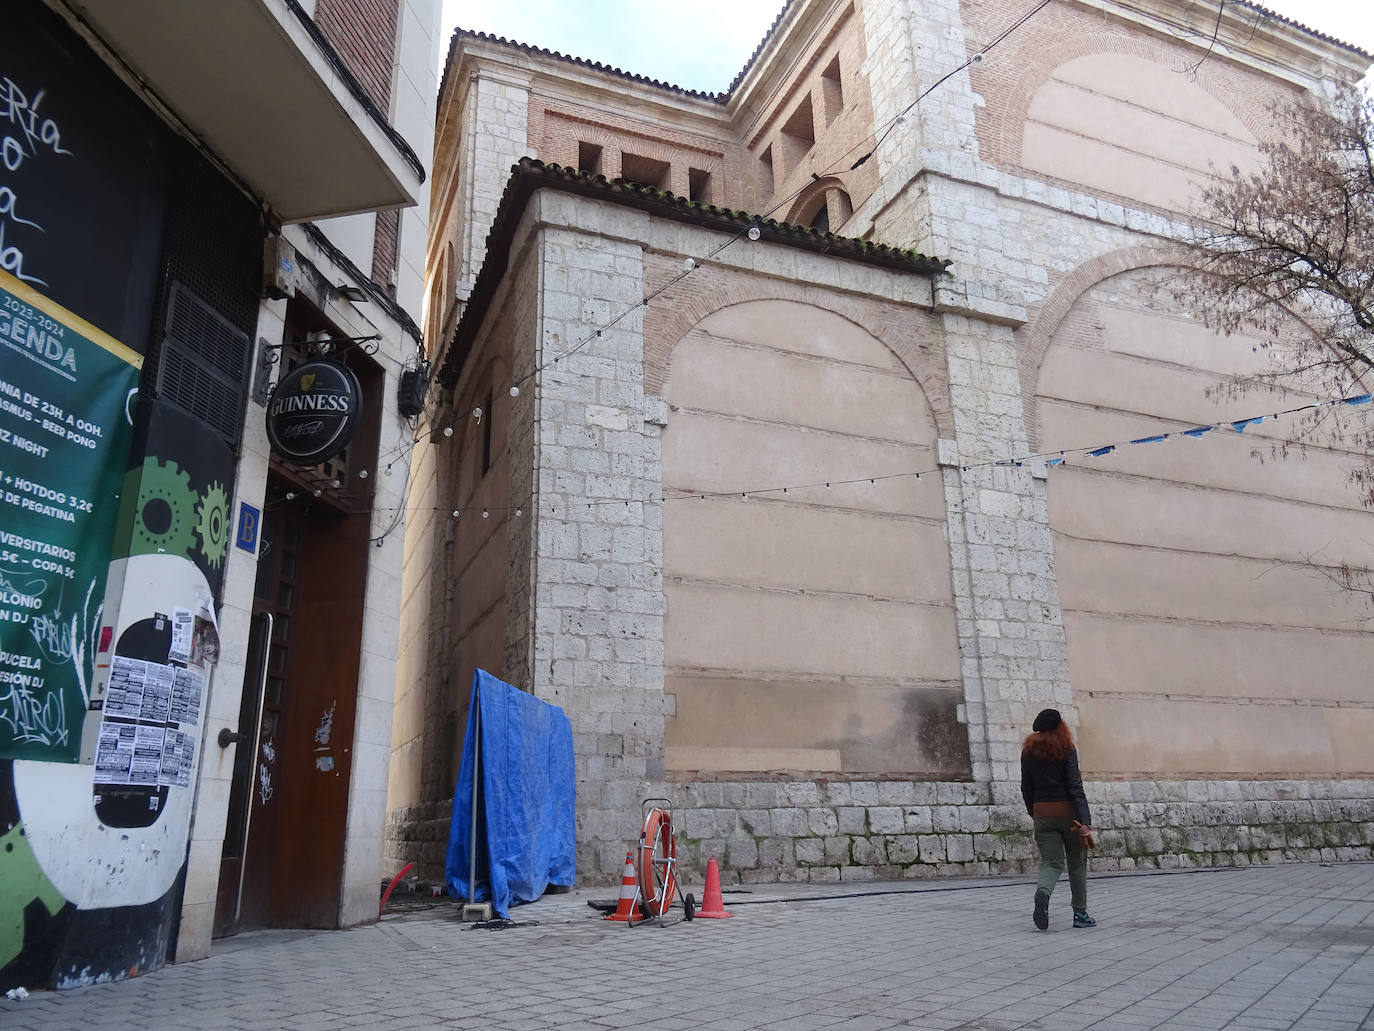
(203, 364)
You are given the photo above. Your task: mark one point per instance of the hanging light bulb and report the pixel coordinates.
(689, 263)
(362, 474)
(514, 391)
(455, 513)
(485, 513)
(318, 492)
(290, 495)
(754, 233)
(519, 512)
(448, 431)
(477, 413)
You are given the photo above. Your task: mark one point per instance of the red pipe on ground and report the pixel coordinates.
(387, 894)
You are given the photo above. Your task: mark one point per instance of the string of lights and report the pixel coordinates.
(1051, 458)
(753, 231)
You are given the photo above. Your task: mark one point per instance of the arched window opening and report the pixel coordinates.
(825, 211)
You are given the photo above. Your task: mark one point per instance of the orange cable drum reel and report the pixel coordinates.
(656, 864)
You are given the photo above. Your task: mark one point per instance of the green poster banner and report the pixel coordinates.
(65, 391)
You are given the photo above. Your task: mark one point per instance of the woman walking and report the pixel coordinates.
(1053, 790)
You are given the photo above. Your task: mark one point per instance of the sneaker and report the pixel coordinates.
(1081, 919)
(1041, 916)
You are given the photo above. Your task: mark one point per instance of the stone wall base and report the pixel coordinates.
(825, 832)
(418, 834)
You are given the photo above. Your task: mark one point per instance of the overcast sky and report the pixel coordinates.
(703, 44)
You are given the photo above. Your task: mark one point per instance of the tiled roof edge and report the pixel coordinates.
(730, 91)
(714, 98)
(528, 175)
(734, 83)
(1305, 28)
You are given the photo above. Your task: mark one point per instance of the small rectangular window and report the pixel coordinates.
(589, 158)
(486, 434)
(798, 135)
(832, 94)
(699, 186)
(645, 171)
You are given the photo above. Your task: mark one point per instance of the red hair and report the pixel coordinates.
(1050, 744)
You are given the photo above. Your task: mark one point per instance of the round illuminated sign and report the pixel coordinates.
(314, 412)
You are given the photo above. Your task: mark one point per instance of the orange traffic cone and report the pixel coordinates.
(712, 905)
(628, 891)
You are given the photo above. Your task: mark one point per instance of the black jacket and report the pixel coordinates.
(1045, 780)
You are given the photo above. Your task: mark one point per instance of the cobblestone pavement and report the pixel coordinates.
(1259, 949)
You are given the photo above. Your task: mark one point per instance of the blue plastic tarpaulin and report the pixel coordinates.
(526, 831)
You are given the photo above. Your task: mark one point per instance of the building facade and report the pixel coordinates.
(199, 631)
(802, 526)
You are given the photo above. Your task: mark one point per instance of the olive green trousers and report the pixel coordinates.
(1061, 846)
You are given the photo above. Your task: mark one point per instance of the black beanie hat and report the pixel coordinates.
(1047, 720)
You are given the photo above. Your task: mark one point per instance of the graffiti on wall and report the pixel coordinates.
(27, 135)
(94, 891)
(64, 433)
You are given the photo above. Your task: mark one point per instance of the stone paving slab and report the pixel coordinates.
(1287, 948)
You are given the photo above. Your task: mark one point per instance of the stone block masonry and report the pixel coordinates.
(584, 599)
(597, 640)
(497, 105)
(787, 831)
(764, 832)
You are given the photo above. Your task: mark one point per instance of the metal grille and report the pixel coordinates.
(203, 363)
(212, 261)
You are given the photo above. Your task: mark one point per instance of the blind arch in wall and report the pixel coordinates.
(1203, 636)
(813, 630)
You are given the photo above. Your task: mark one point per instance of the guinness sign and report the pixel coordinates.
(314, 412)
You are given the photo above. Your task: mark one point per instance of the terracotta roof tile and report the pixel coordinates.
(721, 98)
(529, 175)
(1305, 28)
(734, 84)
(461, 33)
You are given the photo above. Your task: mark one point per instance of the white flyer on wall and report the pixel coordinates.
(147, 759)
(183, 622)
(187, 687)
(157, 692)
(114, 753)
(124, 695)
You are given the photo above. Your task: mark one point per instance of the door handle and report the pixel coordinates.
(228, 737)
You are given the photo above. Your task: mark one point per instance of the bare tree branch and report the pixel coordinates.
(1286, 253)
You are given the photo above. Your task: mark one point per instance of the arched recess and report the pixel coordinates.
(825, 205)
(910, 333)
(450, 279)
(439, 297)
(1038, 334)
(811, 629)
(1204, 637)
(1114, 116)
